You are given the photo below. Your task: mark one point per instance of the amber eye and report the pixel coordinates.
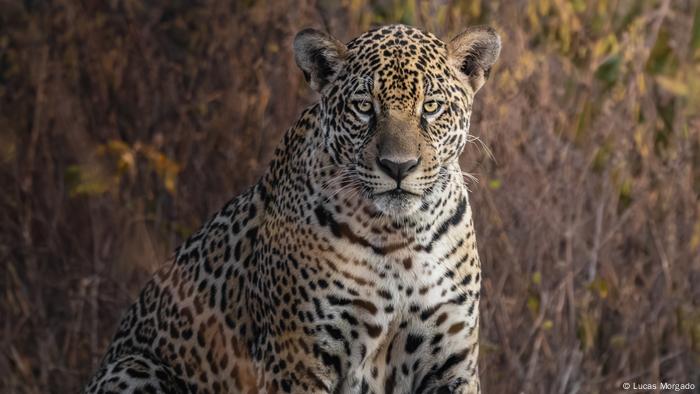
(431, 107)
(364, 107)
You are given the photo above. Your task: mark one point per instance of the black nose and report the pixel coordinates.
(398, 171)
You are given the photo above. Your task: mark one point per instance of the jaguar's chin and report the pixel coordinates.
(397, 203)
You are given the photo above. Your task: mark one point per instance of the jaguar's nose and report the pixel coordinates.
(398, 170)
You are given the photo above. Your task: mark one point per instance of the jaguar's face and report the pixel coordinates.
(398, 131)
(395, 108)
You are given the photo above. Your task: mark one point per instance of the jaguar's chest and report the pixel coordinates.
(405, 287)
(393, 313)
(370, 306)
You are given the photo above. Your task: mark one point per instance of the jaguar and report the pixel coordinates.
(351, 265)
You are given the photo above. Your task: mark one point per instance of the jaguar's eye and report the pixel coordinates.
(364, 107)
(431, 107)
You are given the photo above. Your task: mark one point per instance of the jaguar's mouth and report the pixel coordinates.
(397, 202)
(397, 193)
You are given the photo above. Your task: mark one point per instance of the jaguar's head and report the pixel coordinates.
(395, 107)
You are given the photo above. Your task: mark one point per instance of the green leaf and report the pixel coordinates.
(584, 120)
(609, 70)
(408, 13)
(84, 182)
(602, 157)
(662, 59)
(625, 194)
(695, 31)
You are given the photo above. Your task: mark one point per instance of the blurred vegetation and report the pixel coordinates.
(124, 124)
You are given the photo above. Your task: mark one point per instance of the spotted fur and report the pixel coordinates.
(351, 266)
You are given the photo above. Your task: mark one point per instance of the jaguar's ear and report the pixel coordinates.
(319, 56)
(473, 52)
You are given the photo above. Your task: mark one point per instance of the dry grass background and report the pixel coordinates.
(124, 124)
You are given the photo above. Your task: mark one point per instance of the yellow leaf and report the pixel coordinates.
(169, 182)
(126, 162)
(695, 239)
(679, 88)
(475, 9)
(117, 146)
(533, 304)
(587, 331)
(643, 146)
(533, 16)
(600, 286)
(641, 83)
(618, 341)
